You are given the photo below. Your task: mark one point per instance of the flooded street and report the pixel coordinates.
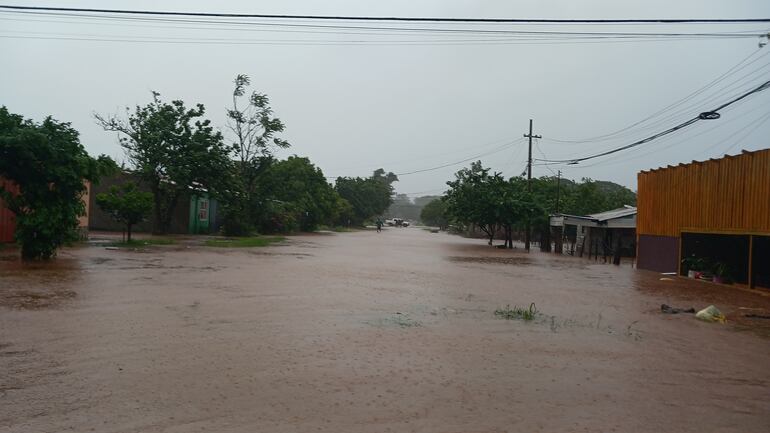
(367, 332)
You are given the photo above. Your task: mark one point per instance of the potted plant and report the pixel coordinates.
(721, 273)
(694, 266)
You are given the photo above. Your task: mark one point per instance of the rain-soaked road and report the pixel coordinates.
(367, 332)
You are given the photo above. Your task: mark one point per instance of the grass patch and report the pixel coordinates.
(249, 242)
(142, 242)
(341, 229)
(517, 313)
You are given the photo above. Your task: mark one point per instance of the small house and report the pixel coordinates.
(610, 233)
(196, 213)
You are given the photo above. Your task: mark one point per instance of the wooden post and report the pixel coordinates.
(751, 261)
(616, 248)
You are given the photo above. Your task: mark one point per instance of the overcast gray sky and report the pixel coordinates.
(403, 106)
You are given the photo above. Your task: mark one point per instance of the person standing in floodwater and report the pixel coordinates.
(379, 225)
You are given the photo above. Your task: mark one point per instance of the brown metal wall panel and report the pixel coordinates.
(658, 253)
(731, 194)
(7, 218)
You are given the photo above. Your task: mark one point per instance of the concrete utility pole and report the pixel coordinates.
(559, 230)
(558, 189)
(529, 179)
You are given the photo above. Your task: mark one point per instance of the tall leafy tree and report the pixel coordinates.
(473, 200)
(50, 167)
(175, 150)
(254, 136)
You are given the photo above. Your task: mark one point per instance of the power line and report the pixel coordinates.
(332, 42)
(611, 161)
(329, 28)
(496, 150)
(457, 162)
(712, 114)
(347, 27)
(385, 18)
(737, 67)
(741, 84)
(759, 122)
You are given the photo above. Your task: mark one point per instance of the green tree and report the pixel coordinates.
(50, 167)
(473, 201)
(126, 205)
(299, 192)
(254, 132)
(368, 197)
(518, 206)
(435, 214)
(174, 150)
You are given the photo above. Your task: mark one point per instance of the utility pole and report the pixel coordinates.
(558, 190)
(559, 230)
(529, 180)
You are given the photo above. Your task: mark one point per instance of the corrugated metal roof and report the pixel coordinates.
(613, 214)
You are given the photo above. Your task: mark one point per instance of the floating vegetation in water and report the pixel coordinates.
(517, 313)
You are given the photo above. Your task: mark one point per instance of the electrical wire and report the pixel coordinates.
(611, 161)
(682, 125)
(507, 145)
(504, 142)
(493, 151)
(737, 67)
(331, 29)
(759, 123)
(384, 18)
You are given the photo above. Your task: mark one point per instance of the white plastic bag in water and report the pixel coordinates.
(711, 314)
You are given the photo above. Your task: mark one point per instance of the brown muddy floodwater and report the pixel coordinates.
(367, 332)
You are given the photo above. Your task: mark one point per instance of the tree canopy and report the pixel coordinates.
(297, 190)
(50, 167)
(175, 150)
(492, 203)
(126, 205)
(435, 214)
(368, 197)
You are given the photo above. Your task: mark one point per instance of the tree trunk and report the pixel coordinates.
(128, 232)
(157, 224)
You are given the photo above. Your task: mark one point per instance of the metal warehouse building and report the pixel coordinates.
(718, 210)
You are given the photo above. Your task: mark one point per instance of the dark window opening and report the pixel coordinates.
(760, 262)
(730, 250)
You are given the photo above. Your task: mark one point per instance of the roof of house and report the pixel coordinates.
(615, 213)
(602, 218)
(694, 162)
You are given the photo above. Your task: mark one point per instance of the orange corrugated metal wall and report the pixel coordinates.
(727, 194)
(7, 219)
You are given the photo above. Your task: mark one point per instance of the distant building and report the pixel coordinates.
(716, 210)
(194, 213)
(610, 233)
